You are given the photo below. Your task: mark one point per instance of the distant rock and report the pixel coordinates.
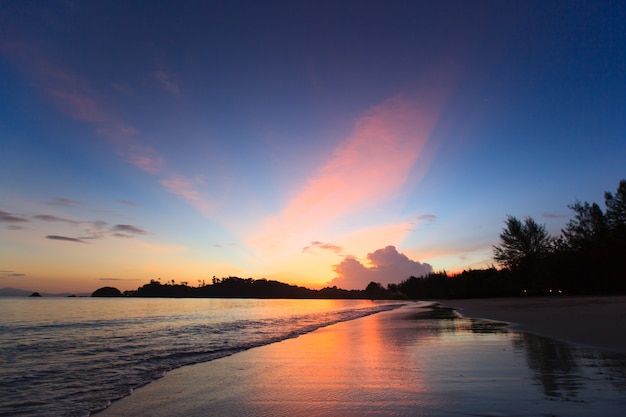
(107, 292)
(35, 294)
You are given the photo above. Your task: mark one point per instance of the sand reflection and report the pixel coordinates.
(431, 362)
(412, 361)
(346, 370)
(569, 372)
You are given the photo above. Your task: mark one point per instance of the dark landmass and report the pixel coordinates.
(235, 287)
(107, 292)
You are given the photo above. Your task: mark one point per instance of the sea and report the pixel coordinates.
(73, 356)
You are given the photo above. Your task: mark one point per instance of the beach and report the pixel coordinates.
(588, 321)
(411, 361)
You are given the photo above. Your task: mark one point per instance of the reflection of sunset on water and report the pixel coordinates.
(350, 369)
(410, 361)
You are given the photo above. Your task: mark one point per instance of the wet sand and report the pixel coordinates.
(589, 321)
(410, 361)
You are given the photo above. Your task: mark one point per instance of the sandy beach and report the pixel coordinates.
(410, 361)
(589, 321)
(407, 362)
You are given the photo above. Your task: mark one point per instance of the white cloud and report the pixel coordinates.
(388, 266)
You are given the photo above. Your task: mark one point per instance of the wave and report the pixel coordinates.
(77, 367)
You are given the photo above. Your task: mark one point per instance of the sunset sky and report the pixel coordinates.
(312, 142)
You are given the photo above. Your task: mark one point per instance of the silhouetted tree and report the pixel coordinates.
(616, 206)
(375, 291)
(521, 244)
(589, 256)
(523, 249)
(588, 225)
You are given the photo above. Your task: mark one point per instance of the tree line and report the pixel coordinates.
(588, 257)
(232, 287)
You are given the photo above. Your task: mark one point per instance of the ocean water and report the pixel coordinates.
(73, 356)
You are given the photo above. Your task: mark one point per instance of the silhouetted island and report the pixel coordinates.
(235, 287)
(107, 292)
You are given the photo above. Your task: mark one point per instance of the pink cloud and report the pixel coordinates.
(69, 93)
(77, 105)
(387, 266)
(371, 164)
(323, 246)
(367, 169)
(144, 158)
(186, 190)
(73, 97)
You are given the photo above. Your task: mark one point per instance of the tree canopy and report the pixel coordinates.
(522, 244)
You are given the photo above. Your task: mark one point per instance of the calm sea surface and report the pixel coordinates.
(73, 356)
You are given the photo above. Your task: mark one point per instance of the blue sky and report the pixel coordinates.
(315, 142)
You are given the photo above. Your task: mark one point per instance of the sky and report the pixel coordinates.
(310, 142)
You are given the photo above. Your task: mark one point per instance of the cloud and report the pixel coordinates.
(73, 96)
(94, 229)
(70, 94)
(51, 218)
(167, 81)
(78, 105)
(387, 266)
(65, 238)
(367, 169)
(12, 274)
(144, 157)
(127, 228)
(324, 246)
(6, 217)
(62, 202)
(186, 189)
(427, 218)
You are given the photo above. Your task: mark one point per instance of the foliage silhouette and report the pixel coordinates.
(107, 292)
(588, 258)
(235, 287)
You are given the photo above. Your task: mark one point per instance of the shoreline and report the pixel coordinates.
(403, 362)
(587, 321)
